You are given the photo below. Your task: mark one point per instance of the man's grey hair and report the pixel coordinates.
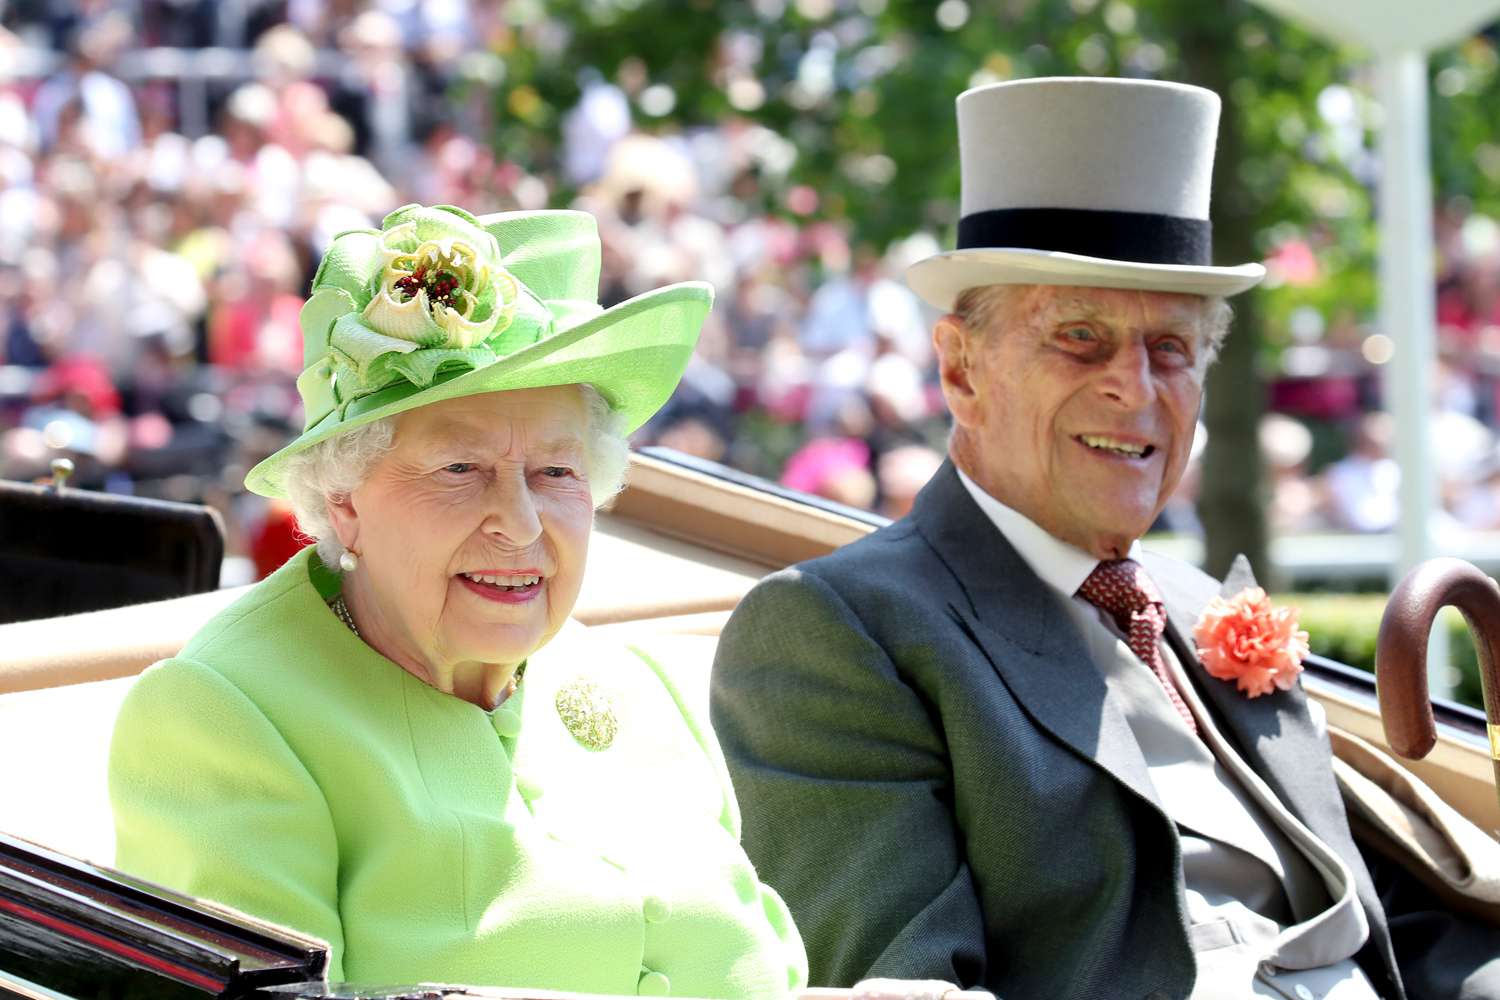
(982, 307)
(332, 469)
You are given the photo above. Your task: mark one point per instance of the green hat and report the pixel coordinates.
(438, 304)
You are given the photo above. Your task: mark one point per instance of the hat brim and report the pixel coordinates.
(940, 278)
(634, 354)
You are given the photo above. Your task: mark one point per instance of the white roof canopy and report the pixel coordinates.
(1390, 25)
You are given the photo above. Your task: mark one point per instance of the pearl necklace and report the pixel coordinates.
(342, 610)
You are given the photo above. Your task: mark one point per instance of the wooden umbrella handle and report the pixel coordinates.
(1401, 651)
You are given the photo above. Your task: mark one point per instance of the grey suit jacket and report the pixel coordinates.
(932, 776)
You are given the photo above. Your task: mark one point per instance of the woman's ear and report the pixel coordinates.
(956, 353)
(345, 520)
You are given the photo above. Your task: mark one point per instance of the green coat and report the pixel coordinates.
(281, 766)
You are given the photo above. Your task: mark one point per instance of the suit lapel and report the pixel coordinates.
(1022, 628)
(1274, 733)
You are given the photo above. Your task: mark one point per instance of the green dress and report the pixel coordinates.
(583, 836)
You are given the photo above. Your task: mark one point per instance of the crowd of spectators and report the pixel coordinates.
(1328, 446)
(151, 272)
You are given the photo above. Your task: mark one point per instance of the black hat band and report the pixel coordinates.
(1134, 237)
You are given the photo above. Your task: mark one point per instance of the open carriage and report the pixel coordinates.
(702, 536)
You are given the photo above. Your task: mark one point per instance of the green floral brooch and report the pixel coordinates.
(586, 711)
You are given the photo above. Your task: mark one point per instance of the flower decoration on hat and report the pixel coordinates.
(1247, 640)
(438, 292)
(437, 304)
(424, 294)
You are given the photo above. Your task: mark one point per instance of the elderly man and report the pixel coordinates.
(978, 746)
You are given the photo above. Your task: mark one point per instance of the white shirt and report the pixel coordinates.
(1061, 566)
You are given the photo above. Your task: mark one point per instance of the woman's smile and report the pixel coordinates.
(503, 588)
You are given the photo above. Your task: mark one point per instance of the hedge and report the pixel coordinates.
(1344, 626)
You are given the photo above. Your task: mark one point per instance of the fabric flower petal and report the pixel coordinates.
(411, 320)
(459, 331)
(350, 262)
(445, 222)
(422, 367)
(318, 315)
(362, 345)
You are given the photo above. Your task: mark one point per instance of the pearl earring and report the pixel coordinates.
(348, 561)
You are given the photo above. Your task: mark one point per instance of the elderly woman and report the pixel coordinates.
(398, 742)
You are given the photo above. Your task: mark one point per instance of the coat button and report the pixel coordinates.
(745, 885)
(507, 722)
(654, 984)
(1303, 993)
(529, 787)
(656, 909)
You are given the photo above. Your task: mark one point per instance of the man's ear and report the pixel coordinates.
(345, 520)
(956, 353)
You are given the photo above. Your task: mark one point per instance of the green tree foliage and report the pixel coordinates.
(1466, 123)
(847, 81)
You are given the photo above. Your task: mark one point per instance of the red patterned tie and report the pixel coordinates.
(1121, 589)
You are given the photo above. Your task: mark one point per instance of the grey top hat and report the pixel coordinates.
(1084, 181)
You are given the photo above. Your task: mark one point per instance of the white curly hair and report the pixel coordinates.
(333, 468)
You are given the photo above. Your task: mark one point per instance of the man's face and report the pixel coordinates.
(1077, 406)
